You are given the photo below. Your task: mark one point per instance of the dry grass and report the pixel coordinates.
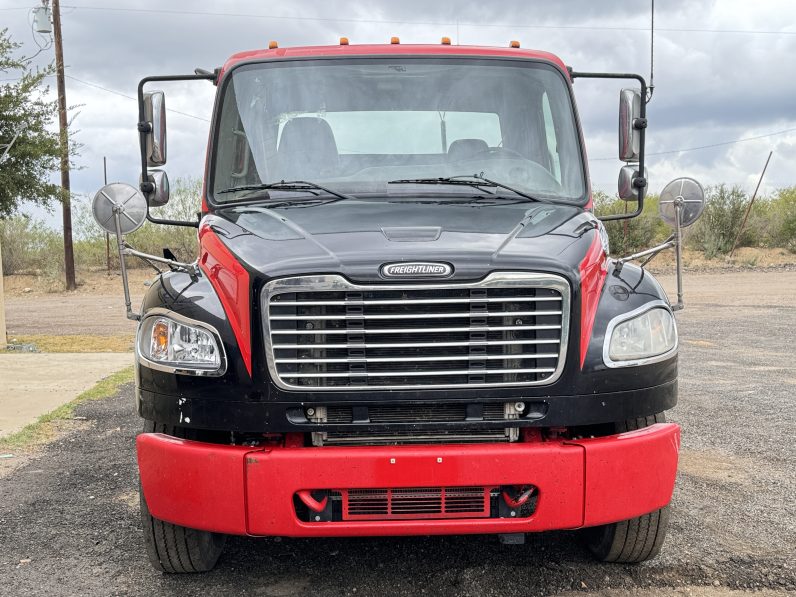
(95, 282)
(76, 343)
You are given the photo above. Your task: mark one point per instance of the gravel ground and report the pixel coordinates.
(69, 523)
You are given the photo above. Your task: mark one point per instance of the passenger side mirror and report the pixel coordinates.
(159, 196)
(155, 114)
(630, 125)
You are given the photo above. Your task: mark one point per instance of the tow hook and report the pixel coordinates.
(318, 504)
(514, 498)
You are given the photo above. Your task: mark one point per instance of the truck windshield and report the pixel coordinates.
(353, 125)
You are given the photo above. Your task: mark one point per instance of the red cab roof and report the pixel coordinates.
(391, 49)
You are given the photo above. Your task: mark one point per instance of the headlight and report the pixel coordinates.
(180, 346)
(643, 338)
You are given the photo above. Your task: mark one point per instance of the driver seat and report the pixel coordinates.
(307, 150)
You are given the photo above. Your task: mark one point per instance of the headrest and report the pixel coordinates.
(462, 149)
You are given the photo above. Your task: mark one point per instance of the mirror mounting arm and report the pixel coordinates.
(640, 123)
(128, 305)
(143, 132)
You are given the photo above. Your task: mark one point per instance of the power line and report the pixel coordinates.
(408, 22)
(721, 144)
(119, 93)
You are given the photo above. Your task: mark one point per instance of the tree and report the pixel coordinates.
(25, 174)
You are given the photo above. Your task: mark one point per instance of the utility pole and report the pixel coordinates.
(66, 199)
(749, 207)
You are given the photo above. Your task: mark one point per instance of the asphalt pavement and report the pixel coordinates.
(69, 522)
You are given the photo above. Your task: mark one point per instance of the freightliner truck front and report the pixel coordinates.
(402, 319)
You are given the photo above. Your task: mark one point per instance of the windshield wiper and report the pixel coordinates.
(467, 179)
(292, 185)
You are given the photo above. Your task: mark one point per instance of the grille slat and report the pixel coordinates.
(415, 373)
(325, 333)
(487, 357)
(417, 344)
(410, 315)
(519, 299)
(479, 328)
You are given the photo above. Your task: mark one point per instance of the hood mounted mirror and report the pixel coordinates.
(682, 201)
(121, 209)
(687, 195)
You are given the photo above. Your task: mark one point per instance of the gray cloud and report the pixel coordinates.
(710, 87)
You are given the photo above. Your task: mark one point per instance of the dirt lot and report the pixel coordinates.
(69, 525)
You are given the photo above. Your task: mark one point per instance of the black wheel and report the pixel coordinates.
(638, 539)
(172, 548)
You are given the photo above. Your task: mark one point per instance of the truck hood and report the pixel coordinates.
(355, 238)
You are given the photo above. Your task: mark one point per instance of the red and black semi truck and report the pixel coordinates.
(402, 319)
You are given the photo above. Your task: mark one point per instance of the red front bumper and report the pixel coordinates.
(248, 491)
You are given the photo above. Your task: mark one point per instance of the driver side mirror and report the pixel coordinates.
(630, 125)
(155, 114)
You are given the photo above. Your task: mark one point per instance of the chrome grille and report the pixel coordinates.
(325, 333)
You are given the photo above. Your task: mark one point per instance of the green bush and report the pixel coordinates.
(782, 216)
(715, 232)
(29, 246)
(630, 236)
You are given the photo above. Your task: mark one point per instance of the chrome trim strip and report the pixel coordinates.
(630, 315)
(337, 283)
(167, 314)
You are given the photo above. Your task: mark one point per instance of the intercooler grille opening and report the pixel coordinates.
(324, 333)
(416, 502)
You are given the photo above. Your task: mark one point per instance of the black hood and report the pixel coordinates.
(355, 238)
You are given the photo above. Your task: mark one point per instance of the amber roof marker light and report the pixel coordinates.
(343, 41)
(446, 41)
(272, 45)
(395, 40)
(514, 44)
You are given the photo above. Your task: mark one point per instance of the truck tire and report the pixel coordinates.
(638, 539)
(172, 548)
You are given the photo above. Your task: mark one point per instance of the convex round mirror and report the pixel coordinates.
(691, 197)
(123, 199)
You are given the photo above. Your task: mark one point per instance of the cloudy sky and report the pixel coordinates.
(721, 71)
